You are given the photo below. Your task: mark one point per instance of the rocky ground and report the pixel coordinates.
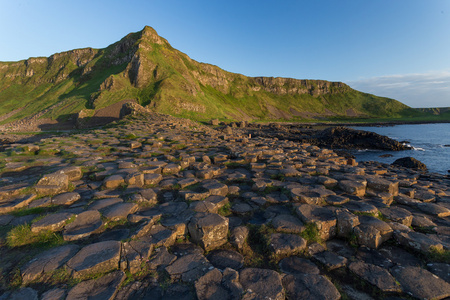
(156, 207)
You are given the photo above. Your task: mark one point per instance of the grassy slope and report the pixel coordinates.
(170, 82)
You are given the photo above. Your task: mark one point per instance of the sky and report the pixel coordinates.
(392, 48)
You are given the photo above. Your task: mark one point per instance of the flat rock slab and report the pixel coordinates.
(66, 198)
(287, 244)
(119, 211)
(104, 203)
(294, 265)
(53, 222)
(323, 217)
(336, 200)
(375, 275)
(261, 284)
(310, 287)
(360, 207)
(54, 294)
(94, 258)
(208, 230)
(7, 206)
(85, 224)
(189, 268)
(223, 259)
(442, 270)
(101, 288)
(23, 293)
(48, 261)
(434, 209)
(397, 214)
(215, 285)
(421, 283)
(417, 241)
(288, 223)
(330, 260)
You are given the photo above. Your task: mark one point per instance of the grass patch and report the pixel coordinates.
(311, 233)
(22, 235)
(30, 211)
(225, 210)
(438, 255)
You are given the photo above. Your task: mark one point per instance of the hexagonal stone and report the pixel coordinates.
(104, 287)
(152, 179)
(261, 284)
(360, 207)
(375, 275)
(215, 285)
(73, 172)
(85, 224)
(397, 214)
(52, 222)
(417, 241)
(336, 200)
(421, 283)
(120, 211)
(382, 185)
(294, 265)
(310, 286)
(223, 259)
(353, 187)
(47, 261)
(346, 222)
(95, 258)
(208, 230)
(114, 181)
(216, 188)
(286, 244)
(323, 217)
(288, 223)
(103, 203)
(330, 260)
(66, 198)
(189, 268)
(53, 183)
(434, 209)
(8, 205)
(372, 232)
(171, 169)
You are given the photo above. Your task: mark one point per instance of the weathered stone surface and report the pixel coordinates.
(52, 222)
(323, 217)
(294, 265)
(23, 293)
(215, 285)
(261, 284)
(434, 209)
(353, 187)
(8, 205)
(421, 283)
(417, 241)
(85, 224)
(52, 183)
(397, 214)
(372, 232)
(287, 223)
(223, 259)
(94, 258)
(346, 222)
(330, 260)
(310, 286)
(442, 270)
(114, 181)
(103, 203)
(286, 244)
(66, 198)
(119, 211)
(105, 287)
(189, 268)
(375, 275)
(208, 230)
(54, 294)
(47, 261)
(360, 207)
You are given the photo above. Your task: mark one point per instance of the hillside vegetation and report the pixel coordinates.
(143, 66)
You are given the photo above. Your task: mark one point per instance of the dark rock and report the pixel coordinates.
(421, 283)
(375, 275)
(286, 244)
(261, 284)
(214, 285)
(409, 162)
(346, 138)
(310, 287)
(85, 224)
(102, 288)
(223, 259)
(330, 260)
(294, 265)
(188, 268)
(95, 258)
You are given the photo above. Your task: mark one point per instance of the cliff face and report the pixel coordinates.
(145, 67)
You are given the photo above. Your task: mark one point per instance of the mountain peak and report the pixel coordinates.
(150, 34)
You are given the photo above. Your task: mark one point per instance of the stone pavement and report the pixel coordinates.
(157, 207)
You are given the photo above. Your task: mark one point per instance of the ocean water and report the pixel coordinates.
(430, 142)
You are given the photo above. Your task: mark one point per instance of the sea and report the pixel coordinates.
(430, 144)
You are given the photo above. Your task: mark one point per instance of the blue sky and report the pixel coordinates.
(392, 48)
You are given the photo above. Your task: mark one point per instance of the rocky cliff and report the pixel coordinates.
(143, 66)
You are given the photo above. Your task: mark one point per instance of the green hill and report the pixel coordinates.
(144, 66)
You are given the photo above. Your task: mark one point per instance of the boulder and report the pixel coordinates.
(409, 162)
